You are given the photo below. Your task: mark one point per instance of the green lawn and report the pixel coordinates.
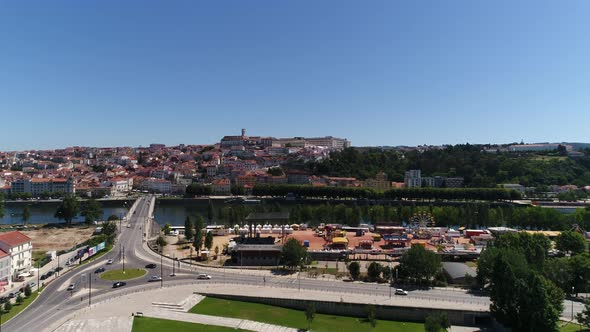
(568, 327)
(16, 308)
(116, 275)
(147, 324)
(296, 318)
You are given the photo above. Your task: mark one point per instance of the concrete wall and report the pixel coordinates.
(456, 317)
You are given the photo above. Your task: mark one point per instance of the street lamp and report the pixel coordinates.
(572, 303)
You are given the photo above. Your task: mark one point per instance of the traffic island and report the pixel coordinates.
(118, 275)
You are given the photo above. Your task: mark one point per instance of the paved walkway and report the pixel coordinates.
(114, 314)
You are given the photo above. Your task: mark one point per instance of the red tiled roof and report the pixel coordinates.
(3, 253)
(14, 238)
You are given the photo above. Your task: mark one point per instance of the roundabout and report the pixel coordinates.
(127, 274)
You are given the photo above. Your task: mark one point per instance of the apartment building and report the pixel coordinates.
(413, 178)
(18, 246)
(37, 186)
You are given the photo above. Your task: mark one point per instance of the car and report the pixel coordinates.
(150, 266)
(119, 284)
(109, 262)
(59, 268)
(32, 284)
(71, 287)
(49, 273)
(155, 278)
(14, 294)
(100, 270)
(203, 276)
(400, 291)
(45, 276)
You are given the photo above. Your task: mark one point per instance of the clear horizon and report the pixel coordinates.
(381, 73)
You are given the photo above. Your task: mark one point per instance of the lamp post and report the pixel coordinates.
(161, 268)
(572, 303)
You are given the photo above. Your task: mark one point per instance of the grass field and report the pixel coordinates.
(147, 324)
(117, 275)
(16, 308)
(296, 318)
(568, 327)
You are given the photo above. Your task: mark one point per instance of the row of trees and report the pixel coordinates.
(487, 194)
(70, 207)
(193, 232)
(524, 283)
(478, 168)
(418, 266)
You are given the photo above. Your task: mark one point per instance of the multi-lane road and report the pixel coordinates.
(55, 302)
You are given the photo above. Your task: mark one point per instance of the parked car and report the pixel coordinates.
(45, 276)
(400, 291)
(100, 270)
(71, 287)
(119, 284)
(150, 266)
(14, 294)
(32, 284)
(59, 268)
(49, 273)
(154, 278)
(109, 262)
(203, 276)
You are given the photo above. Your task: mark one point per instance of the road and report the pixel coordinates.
(55, 302)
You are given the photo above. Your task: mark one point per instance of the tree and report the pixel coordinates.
(354, 268)
(26, 214)
(309, 314)
(109, 229)
(19, 299)
(584, 316)
(91, 211)
(436, 323)
(28, 290)
(570, 241)
(167, 229)
(371, 315)
(7, 306)
(374, 271)
(188, 229)
(216, 251)
(209, 240)
(420, 263)
(68, 209)
(198, 239)
(293, 254)
(161, 242)
(113, 217)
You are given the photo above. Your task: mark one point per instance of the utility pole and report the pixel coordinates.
(89, 289)
(161, 268)
(38, 272)
(123, 252)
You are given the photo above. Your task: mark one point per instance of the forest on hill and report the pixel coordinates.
(477, 167)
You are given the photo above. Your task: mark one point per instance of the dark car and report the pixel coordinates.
(150, 266)
(119, 284)
(100, 270)
(45, 276)
(49, 273)
(59, 268)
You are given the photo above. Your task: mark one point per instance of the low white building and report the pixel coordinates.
(158, 185)
(5, 269)
(20, 249)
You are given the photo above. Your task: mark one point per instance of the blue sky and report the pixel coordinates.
(130, 73)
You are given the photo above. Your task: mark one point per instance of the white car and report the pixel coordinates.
(400, 291)
(204, 276)
(109, 262)
(71, 287)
